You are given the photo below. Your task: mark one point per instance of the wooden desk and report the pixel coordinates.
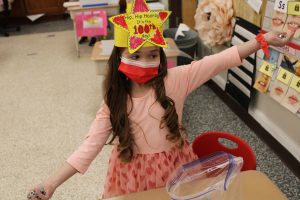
(253, 185)
(101, 60)
(74, 7)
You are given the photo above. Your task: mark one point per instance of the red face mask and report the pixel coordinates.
(140, 72)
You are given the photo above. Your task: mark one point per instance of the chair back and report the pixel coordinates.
(208, 143)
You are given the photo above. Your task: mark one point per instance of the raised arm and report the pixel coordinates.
(184, 79)
(272, 38)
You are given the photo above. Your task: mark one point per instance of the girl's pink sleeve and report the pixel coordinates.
(93, 142)
(184, 79)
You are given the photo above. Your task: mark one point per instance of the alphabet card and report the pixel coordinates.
(278, 21)
(292, 99)
(292, 23)
(281, 85)
(293, 8)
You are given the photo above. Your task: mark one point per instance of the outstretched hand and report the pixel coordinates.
(42, 191)
(278, 39)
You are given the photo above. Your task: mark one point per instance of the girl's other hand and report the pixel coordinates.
(43, 191)
(278, 39)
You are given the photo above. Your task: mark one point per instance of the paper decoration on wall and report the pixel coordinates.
(240, 80)
(214, 21)
(274, 56)
(294, 8)
(291, 63)
(295, 83)
(292, 99)
(283, 19)
(278, 90)
(244, 11)
(278, 21)
(139, 26)
(292, 23)
(284, 76)
(255, 4)
(281, 85)
(288, 63)
(91, 23)
(266, 71)
(281, 5)
(267, 68)
(264, 78)
(262, 82)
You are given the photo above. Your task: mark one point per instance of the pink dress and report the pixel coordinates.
(155, 158)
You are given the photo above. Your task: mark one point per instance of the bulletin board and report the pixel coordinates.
(279, 75)
(244, 11)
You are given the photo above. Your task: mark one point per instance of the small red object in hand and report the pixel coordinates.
(263, 44)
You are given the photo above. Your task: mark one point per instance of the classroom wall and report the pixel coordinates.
(283, 125)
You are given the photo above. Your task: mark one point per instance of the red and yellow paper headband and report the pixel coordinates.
(139, 27)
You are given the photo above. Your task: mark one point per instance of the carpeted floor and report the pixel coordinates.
(48, 99)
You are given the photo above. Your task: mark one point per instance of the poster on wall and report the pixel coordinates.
(286, 17)
(291, 63)
(292, 23)
(280, 86)
(264, 76)
(292, 99)
(279, 77)
(278, 21)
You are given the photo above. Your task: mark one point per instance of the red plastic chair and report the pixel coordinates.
(208, 143)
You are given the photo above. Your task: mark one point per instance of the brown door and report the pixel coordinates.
(188, 12)
(44, 6)
(176, 16)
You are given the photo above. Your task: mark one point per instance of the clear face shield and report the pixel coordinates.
(204, 179)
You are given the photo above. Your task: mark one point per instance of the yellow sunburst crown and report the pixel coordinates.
(139, 26)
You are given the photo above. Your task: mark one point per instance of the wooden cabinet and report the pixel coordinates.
(30, 7)
(44, 6)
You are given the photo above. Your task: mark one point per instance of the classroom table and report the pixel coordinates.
(252, 185)
(74, 7)
(172, 52)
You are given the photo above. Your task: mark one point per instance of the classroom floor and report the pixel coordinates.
(204, 111)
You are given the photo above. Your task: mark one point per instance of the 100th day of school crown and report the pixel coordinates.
(139, 27)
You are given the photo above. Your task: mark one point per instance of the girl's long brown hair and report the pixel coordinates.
(117, 90)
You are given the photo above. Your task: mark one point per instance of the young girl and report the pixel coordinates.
(142, 109)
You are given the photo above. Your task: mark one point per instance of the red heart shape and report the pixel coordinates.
(120, 20)
(163, 15)
(135, 42)
(158, 38)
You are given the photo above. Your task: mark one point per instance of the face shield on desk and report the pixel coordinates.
(205, 179)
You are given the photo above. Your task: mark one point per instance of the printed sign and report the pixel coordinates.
(284, 76)
(293, 8)
(281, 5)
(295, 84)
(267, 68)
(91, 23)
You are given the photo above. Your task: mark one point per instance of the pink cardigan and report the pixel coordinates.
(146, 115)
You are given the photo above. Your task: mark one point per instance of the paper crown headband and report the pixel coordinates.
(139, 27)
